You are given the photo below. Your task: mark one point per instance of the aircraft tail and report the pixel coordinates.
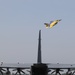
(39, 59)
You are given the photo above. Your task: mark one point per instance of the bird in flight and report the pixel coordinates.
(52, 23)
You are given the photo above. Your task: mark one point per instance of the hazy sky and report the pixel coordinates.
(20, 22)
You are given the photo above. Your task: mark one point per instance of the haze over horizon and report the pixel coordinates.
(20, 22)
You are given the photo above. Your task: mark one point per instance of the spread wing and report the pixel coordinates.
(47, 25)
(51, 22)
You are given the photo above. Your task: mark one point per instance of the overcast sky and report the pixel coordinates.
(20, 22)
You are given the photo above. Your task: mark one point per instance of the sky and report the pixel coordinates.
(20, 22)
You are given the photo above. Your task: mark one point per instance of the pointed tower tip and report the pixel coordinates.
(39, 60)
(39, 35)
(39, 31)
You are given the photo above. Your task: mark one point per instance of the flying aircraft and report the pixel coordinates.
(38, 68)
(51, 24)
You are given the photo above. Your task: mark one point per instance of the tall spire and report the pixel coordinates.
(39, 60)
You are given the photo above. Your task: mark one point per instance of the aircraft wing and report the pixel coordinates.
(61, 66)
(9, 65)
(28, 66)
